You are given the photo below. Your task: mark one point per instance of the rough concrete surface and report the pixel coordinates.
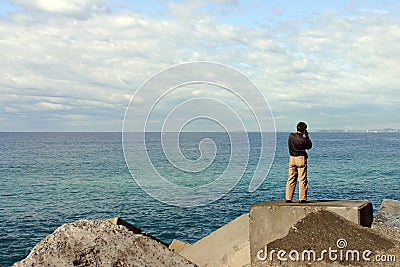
(272, 220)
(100, 243)
(388, 215)
(320, 231)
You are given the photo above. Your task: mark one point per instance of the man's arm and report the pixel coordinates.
(308, 141)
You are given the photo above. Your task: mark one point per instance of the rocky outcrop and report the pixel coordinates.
(115, 242)
(100, 243)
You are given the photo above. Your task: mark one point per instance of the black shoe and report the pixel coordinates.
(288, 201)
(304, 201)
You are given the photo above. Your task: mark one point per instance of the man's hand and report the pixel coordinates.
(306, 133)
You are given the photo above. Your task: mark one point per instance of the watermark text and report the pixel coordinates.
(338, 253)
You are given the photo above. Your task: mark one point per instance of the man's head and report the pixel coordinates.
(301, 127)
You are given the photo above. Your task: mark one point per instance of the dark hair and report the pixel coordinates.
(301, 127)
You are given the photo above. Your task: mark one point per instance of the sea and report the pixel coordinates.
(49, 179)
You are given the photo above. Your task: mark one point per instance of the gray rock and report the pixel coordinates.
(100, 243)
(388, 215)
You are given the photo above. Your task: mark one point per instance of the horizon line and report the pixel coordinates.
(385, 130)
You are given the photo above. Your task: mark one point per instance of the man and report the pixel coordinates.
(298, 143)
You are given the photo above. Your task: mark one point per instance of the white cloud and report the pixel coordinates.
(79, 58)
(77, 8)
(52, 106)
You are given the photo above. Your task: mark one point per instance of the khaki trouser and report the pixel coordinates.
(297, 171)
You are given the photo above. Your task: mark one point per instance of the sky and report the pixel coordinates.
(75, 65)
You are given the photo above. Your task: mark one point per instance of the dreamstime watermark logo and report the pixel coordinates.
(197, 97)
(338, 253)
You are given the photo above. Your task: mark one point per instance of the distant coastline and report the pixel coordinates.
(385, 130)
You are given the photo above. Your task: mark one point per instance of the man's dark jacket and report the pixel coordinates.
(298, 144)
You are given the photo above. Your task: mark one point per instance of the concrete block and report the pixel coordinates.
(388, 215)
(177, 246)
(227, 246)
(272, 220)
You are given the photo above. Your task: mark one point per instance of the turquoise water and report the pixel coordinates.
(48, 179)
